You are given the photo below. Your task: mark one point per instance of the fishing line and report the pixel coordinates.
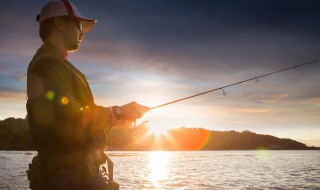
(233, 84)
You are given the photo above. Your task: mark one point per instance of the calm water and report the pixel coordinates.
(192, 170)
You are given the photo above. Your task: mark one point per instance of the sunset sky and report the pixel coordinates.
(155, 51)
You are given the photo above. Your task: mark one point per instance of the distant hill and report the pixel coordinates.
(15, 135)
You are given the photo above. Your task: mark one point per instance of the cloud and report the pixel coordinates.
(95, 77)
(201, 47)
(255, 111)
(22, 76)
(158, 51)
(12, 94)
(273, 99)
(3, 68)
(19, 30)
(206, 68)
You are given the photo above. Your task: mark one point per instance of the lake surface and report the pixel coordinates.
(191, 170)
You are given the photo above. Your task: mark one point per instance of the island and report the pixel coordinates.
(14, 133)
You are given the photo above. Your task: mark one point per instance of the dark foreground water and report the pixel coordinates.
(192, 170)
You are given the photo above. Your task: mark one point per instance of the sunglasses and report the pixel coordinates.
(79, 23)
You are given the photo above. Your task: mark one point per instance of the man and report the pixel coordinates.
(67, 127)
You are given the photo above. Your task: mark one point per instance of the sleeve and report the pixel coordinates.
(55, 104)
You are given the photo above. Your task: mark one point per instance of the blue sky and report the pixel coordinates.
(157, 51)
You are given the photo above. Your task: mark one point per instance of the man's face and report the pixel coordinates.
(72, 34)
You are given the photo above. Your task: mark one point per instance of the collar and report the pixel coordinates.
(64, 53)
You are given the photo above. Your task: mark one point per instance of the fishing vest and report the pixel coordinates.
(50, 174)
(69, 131)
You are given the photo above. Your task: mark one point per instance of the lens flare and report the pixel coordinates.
(50, 95)
(64, 100)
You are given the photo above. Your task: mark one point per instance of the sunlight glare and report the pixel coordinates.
(153, 101)
(263, 153)
(158, 131)
(158, 167)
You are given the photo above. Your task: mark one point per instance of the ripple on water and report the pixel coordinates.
(192, 170)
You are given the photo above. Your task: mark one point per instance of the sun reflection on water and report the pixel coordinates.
(158, 167)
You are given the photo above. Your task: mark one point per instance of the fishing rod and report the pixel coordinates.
(233, 84)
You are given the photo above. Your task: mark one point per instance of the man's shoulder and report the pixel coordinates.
(46, 61)
(47, 58)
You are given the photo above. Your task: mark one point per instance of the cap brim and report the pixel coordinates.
(88, 24)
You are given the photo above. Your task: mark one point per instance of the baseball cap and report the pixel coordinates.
(65, 8)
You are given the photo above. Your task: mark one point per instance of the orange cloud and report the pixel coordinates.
(6, 94)
(274, 99)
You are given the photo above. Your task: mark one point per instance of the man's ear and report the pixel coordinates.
(58, 23)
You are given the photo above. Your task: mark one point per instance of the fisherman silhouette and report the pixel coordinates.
(66, 126)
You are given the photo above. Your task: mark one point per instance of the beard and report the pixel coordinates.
(74, 47)
(72, 44)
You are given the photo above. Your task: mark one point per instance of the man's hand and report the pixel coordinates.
(133, 111)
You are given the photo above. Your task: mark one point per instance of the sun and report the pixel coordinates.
(158, 131)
